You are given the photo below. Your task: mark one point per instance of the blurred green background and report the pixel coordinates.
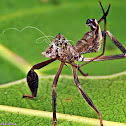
(67, 17)
(19, 50)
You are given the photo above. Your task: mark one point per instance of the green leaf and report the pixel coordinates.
(27, 117)
(28, 120)
(107, 94)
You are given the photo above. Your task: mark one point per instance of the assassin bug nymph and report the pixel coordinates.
(62, 50)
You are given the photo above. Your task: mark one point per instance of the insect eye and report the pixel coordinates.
(94, 24)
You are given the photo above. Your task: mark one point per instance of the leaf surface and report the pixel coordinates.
(107, 94)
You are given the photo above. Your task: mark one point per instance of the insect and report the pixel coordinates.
(63, 51)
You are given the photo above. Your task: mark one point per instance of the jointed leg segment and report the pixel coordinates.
(104, 13)
(86, 98)
(114, 40)
(32, 77)
(104, 44)
(117, 43)
(54, 92)
(113, 57)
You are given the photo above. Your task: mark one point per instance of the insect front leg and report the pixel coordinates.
(85, 96)
(54, 92)
(104, 44)
(32, 78)
(115, 41)
(112, 57)
(104, 13)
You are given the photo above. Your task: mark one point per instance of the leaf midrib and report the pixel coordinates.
(59, 116)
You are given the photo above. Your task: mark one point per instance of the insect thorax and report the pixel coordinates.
(61, 48)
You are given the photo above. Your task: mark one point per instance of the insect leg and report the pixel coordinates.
(75, 65)
(104, 13)
(85, 96)
(99, 55)
(54, 92)
(119, 56)
(32, 78)
(104, 44)
(84, 74)
(116, 42)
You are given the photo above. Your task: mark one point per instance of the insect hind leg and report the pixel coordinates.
(85, 96)
(32, 77)
(32, 80)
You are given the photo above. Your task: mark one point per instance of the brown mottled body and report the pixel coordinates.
(91, 41)
(62, 49)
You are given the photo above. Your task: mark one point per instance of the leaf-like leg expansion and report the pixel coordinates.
(54, 92)
(85, 96)
(32, 78)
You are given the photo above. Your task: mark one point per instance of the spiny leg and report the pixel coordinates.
(32, 77)
(104, 44)
(54, 92)
(85, 96)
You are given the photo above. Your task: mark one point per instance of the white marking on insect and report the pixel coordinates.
(80, 59)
